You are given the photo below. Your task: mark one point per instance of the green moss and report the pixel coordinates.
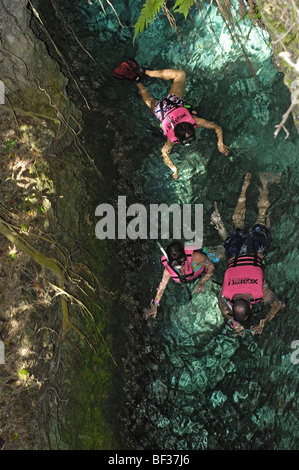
(85, 425)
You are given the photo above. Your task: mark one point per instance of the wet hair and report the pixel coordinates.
(175, 251)
(241, 310)
(182, 129)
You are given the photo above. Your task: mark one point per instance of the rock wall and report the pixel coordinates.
(45, 202)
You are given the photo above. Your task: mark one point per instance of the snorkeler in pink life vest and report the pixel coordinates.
(184, 266)
(244, 275)
(174, 117)
(192, 271)
(177, 131)
(244, 284)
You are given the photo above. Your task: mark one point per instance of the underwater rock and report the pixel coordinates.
(218, 398)
(160, 391)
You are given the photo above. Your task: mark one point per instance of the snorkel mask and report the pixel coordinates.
(187, 141)
(178, 263)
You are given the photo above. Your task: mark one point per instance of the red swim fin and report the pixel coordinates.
(128, 70)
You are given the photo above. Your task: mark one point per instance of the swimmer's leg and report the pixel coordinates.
(263, 200)
(177, 76)
(146, 97)
(216, 220)
(240, 210)
(177, 88)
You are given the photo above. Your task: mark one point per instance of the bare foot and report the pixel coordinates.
(268, 177)
(247, 180)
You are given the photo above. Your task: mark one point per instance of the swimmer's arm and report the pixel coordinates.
(268, 295)
(219, 133)
(209, 268)
(152, 311)
(160, 291)
(224, 308)
(226, 313)
(276, 305)
(166, 149)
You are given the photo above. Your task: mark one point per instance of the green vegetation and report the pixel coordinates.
(151, 8)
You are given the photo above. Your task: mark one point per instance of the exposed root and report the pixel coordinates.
(59, 272)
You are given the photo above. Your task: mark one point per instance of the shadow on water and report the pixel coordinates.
(204, 388)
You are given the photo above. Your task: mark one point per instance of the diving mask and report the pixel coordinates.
(187, 141)
(178, 263)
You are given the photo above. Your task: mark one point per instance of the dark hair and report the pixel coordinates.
(241, 310)
(182, 129)
(175, 250)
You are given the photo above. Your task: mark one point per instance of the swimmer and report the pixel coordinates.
(177, 122)
(184, 266)
(244, 283)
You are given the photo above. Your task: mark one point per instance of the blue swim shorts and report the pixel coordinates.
(258, 240)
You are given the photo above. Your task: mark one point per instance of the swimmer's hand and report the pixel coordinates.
(175, 174)
(199, 288)
(239, 329)
(150, 312)
(223, 148)
(258, 329)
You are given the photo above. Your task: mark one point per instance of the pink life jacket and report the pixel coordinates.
(244, 276)
(175, 116)
(190, 275)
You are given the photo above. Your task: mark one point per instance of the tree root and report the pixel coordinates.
(59, 272)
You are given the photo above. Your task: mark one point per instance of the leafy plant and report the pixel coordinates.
(183, 6)
(9, 144)
(151, 8)
(147, 15)
(23, 374)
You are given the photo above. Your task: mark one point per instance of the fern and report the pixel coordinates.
(183, 6)
(149, 10)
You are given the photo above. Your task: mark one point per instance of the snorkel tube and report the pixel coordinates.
(163, 251)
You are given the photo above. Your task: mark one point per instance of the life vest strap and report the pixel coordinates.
(246, 260)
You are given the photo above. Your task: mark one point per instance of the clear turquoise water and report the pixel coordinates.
(201, 386)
